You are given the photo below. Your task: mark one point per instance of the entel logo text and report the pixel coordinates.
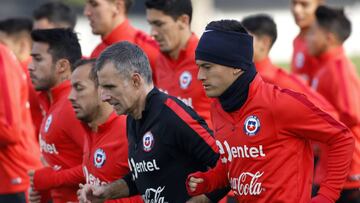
(142, 167)
(239, 151)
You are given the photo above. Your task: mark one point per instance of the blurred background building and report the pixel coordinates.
(205, 11)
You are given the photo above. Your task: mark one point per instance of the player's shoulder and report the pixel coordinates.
(142, 38)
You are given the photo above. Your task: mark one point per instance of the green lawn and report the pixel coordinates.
(355, 59)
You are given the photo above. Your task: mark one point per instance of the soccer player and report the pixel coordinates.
(108, 18)
(167, 139)
(263, 132)
(19, 151)
(263, 29)
(15, 33)
(175, 68)
(54, 15)
(106, 147)
(302, 63)
(61, 135)
(338, 82)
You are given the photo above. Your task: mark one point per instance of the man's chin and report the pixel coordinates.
(211, 95)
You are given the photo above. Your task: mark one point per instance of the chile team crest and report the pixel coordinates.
(48, 123)
(251, 125)
(185, 79)
(99, 158)
(148, 141)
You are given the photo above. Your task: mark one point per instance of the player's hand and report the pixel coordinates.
(90, 193)
(34, 196)
(320, 199)
(199, 199)
(196, 184)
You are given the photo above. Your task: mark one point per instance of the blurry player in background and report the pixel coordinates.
(338, 81)
(302, 63)
(54, 15)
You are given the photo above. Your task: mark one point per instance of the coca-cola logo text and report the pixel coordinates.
(247, 184)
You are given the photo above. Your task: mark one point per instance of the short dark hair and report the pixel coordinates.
(82, 62)
(261, 25)
(57, 13)
(63, 43)
(13, 26)
(127, 59)
(173, 8)
(227, 25)
(334, 20)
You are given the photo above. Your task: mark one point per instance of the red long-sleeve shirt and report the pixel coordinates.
(106, 154)
(61, 142)
(265, 147)
(126, 32)
(18, 150)
(302, 63)
(339, 83)
(178, 77)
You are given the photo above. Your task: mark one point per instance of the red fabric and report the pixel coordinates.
(47, 178)
(274, 162)
(193, 124)
(61, 142)
(126, 32)
(277, 76)
(18, 150)
(320, 199)
(36, 112)
(110, 142)
(178, 77)
(302, 63)
(339, 83)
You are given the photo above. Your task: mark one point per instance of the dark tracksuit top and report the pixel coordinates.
(168, 143)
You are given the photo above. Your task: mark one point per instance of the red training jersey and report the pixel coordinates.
(302, 63)
(339, 83)
(106, 154)
(61, 142)
(265, 148)
(126, 32)
(178, 77)
(19, 152)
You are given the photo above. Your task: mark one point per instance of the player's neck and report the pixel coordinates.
(117, 21)
(102, 115)
(182, 44)
(140, 105)
(304, 31)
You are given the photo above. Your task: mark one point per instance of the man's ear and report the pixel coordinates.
(62, 66)
(184, 21)
(331, 38)
(136, 80)
(267, 43)
(119, 6)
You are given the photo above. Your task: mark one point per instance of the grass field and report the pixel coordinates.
(355, 59)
